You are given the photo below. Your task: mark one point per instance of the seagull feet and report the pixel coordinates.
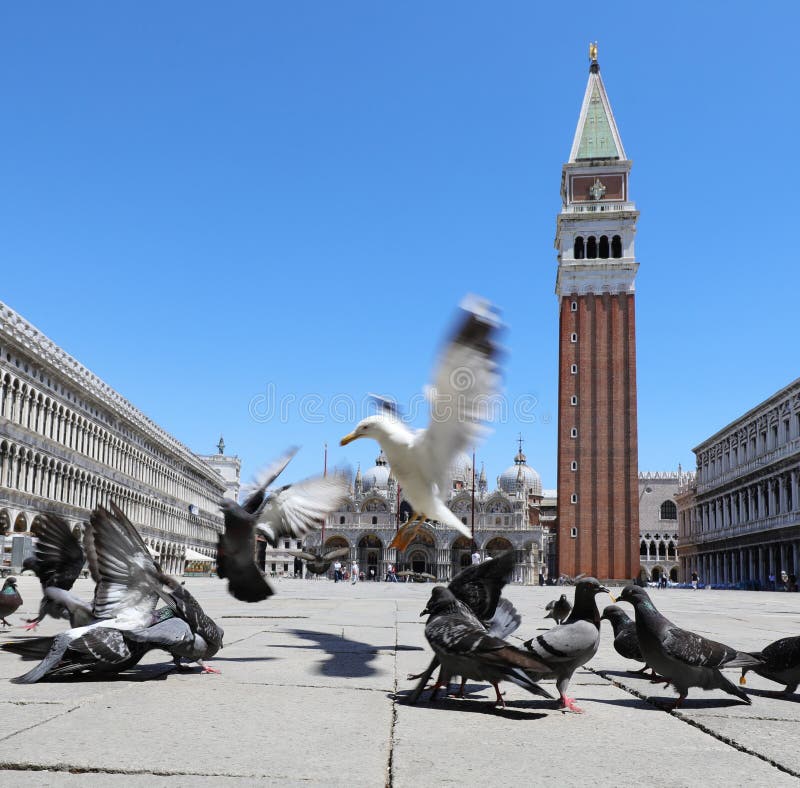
(568, 704)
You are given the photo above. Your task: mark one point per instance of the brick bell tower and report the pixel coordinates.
(598, 507)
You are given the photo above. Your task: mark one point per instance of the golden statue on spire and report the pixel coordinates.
(593, 52)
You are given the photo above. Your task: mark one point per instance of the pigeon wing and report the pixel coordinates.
(783, 654)
(466, 381)
(479, 586)
(334, 554)
(303, 554)
(59, 555)
(256, 490)
(299, 508)
(127, 578)
(695, 650)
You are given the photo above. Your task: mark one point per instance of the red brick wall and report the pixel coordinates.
(606, 514)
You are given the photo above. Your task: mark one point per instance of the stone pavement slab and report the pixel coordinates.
(313, 690)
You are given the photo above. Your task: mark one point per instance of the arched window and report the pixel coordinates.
(643, 549)
(604, 247)
(341, 520)
(669, 511)
(616, 246)
(374, 520)
(662, 550)
(591, 247)
(578, 250)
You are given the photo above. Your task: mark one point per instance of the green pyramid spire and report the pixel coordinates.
(597, 138)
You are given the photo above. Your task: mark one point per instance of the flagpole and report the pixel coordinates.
(474, 546)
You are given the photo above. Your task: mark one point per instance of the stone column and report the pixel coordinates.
(794, 486)
(784, 555)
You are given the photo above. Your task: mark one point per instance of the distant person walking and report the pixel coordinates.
(354, 573)
(337, 571)
(694, 580)
(476, 557)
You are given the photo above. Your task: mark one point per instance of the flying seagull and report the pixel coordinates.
(684, 659)
(57, 561)
(626, 643)
(10, 599)
(465, 381)
(567, 647)
(781, 663)
(465, 648)
(292, 510)
(558, 609)
(319, 563)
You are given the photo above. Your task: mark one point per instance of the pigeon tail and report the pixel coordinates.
(729, 687)
(58, 648)
(744, 659)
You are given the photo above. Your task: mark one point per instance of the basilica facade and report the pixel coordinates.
(69, 442)
(505, 518)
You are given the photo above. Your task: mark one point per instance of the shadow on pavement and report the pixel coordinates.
(514, 710)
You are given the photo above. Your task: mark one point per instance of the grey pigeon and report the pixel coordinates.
(567, 647)
(292, 510)
(465, 648)
(626, 644)
(780, 663)
(319, 563)
(559, 609)
(10, 599)
(684, 659)
(478, 587)
(57, 561)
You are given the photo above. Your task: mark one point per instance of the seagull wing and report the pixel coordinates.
(466, 380)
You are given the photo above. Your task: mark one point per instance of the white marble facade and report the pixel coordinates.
(69, 442)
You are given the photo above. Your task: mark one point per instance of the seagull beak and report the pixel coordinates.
(348, 439)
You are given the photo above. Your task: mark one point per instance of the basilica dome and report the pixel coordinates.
(509, 479)
(377, 477)
(460, 469)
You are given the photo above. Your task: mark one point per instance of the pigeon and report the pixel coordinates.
(780, 662)
(465, 648)
(567, 647)
(90, 650)
(466, 380)
(478, 587)
(558, 609)
(294, 510)
(319, 563)
(626, 643)
(416, 577)
(58, 561)
(684, 659)
(10, 599)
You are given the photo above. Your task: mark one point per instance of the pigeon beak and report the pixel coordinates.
(425, 612)
(348, 439)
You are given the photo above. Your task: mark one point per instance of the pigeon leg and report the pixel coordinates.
(460, 693)
(499, 701)
(179, 665)
(568, 704)
(678, 702)
(31, 625)
(641, 670)
(5, 623)
(207, 668)
(414, 697)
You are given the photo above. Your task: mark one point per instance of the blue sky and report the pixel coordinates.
(210, 206)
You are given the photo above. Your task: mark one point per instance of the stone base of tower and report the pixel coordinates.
(598, 511)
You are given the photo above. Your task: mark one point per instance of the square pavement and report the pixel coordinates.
(313, 691)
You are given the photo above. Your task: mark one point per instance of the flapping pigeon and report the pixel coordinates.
(466, 380)
(626, 643)
(416, 577)
(684, 659)
(465, 648)
(780, 663)
(58, 561)
(478, 587)
(567, 647)
(293, 510)
(558, 609)
(319, 563)
(10, 599)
